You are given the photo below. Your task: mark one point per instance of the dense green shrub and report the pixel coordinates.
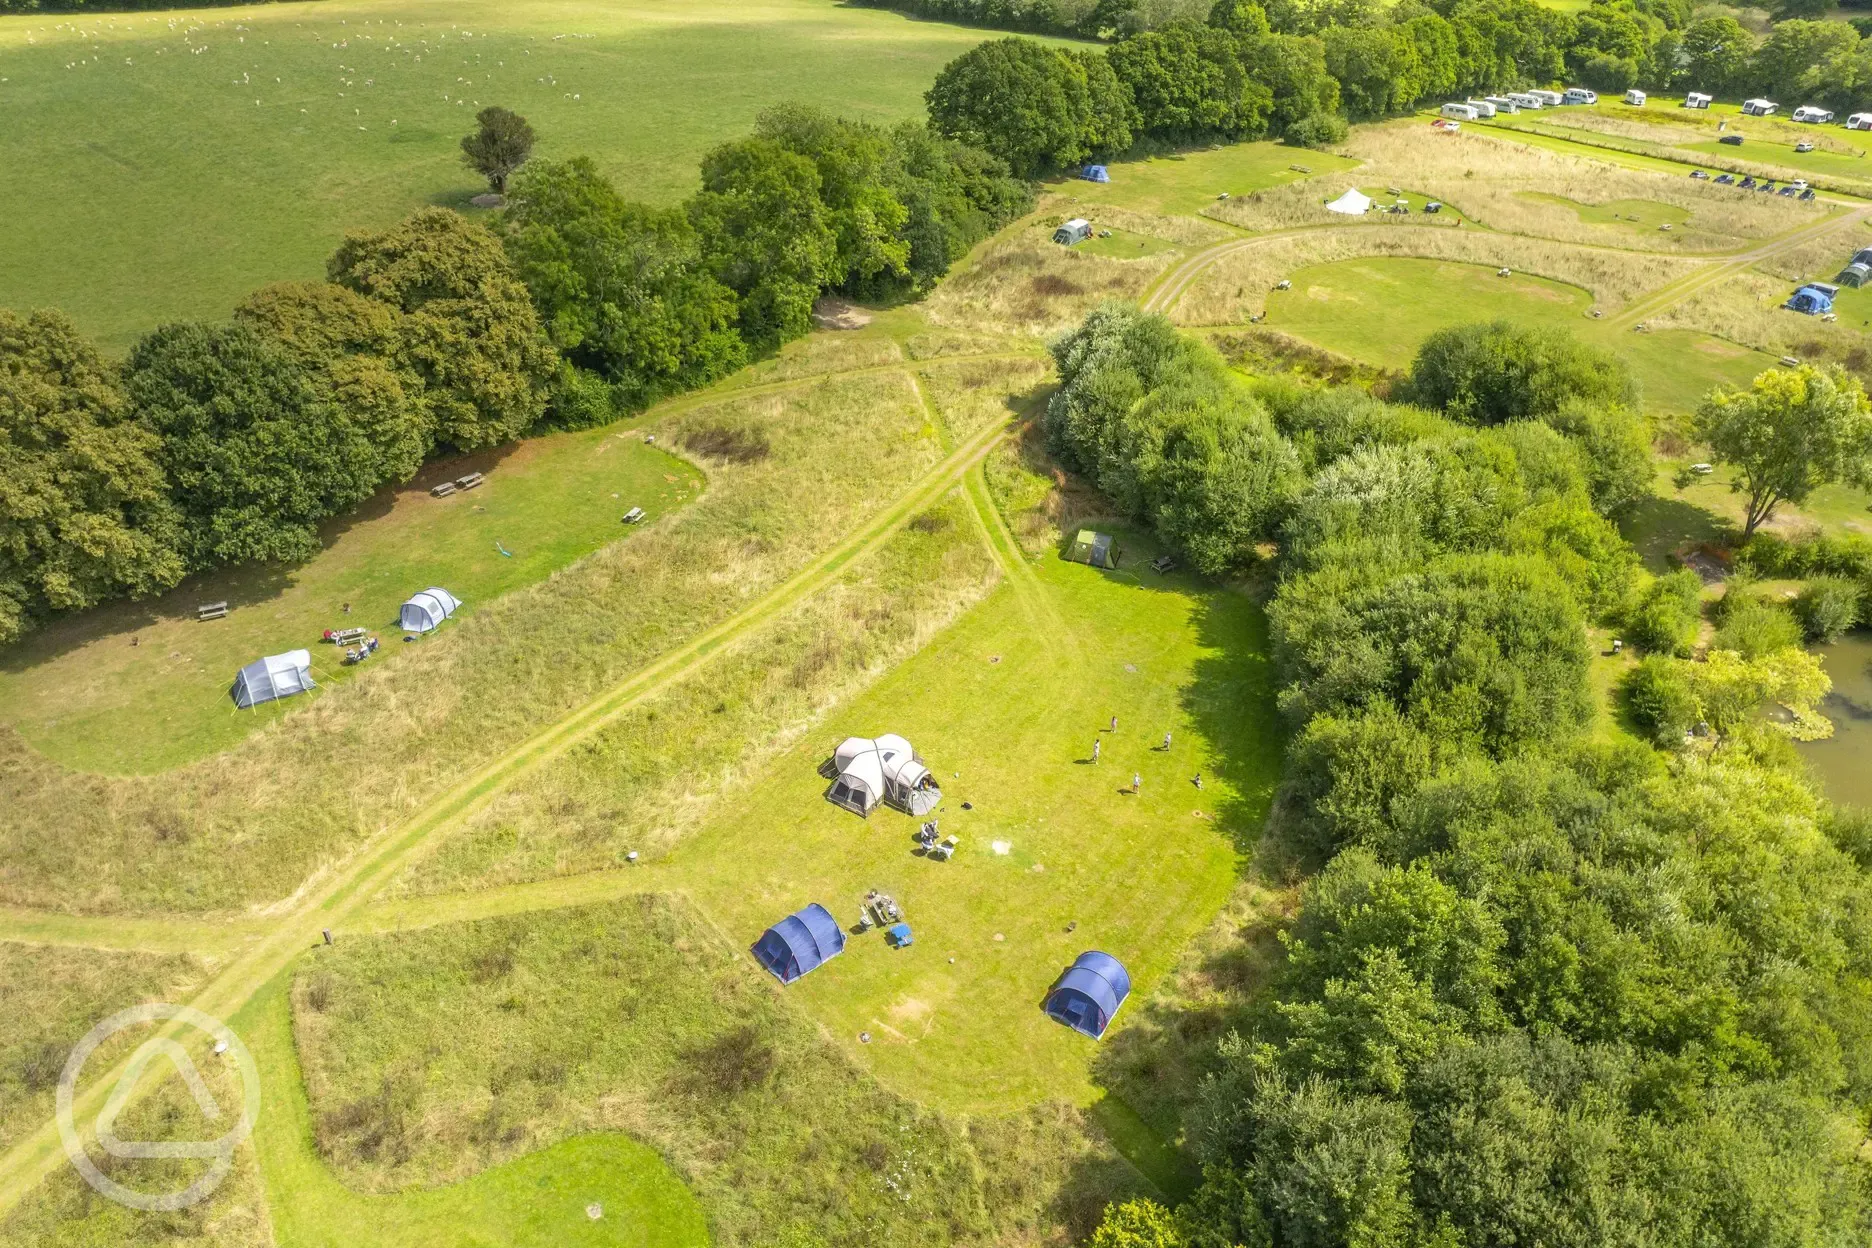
(1317, 130)
(1753, 627)
(1486, 374)
(1662, 704)
(1665, 617)
(1828, 606)
(1037, 108)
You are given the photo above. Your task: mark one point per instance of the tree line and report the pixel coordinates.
(1300, 71)
(1549, 984)
(219, 443)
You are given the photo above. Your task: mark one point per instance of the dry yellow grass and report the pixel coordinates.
(1488, 180)
(1746, 308)
(1022, 282)
(1237, 285)
(1676, 126)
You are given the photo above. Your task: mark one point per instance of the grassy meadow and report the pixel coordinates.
(143, 686)
(220, 149)
(1192, 183)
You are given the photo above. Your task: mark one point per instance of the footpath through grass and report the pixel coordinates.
(143, 686)
(164, 164)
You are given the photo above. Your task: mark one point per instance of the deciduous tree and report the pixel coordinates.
(500, 145)
(1791, 432)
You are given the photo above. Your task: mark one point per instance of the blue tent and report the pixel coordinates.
(1095, 173)
(1811, 300)
(799, 942)
(1088, 993)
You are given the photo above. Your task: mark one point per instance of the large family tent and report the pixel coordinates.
(799, 943)
(1095, 173)
(865, 771)
(274, 677)
(1093, 548)
(425, 612)
(1351, 203)
(1815, 299)
(1855, 275)
(1088, 993)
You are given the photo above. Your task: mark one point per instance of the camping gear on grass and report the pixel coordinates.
(865, 772)
(274, 677)
(1087, 995)
(799, 943)
(424, 612)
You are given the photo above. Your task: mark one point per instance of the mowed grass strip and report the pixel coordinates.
(221, 149)
(1006, 714)
(307, 788)
(138, 687)
(1190, 183)
(1380, 309)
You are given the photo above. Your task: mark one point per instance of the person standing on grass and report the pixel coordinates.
(1114, 723)
(1137, 782)
(1166, 743)
(1095, 750)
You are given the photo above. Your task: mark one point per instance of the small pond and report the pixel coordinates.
(1843, 762)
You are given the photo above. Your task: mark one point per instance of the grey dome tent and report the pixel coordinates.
(274, 677)
(865, 772)
(1088, 993)
(425, 612)
(799, 943)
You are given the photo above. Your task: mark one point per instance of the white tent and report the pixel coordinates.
(1351, 204)
(276, 676)
(866, 771)
(425, 611)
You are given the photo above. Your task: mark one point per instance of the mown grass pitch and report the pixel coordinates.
(142, 686)
(165, 164)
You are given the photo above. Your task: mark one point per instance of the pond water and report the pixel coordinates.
(1843, 762)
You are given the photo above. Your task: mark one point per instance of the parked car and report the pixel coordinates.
(1803, 146)
(1733, 140)
(1725, 179)
(1698, 173)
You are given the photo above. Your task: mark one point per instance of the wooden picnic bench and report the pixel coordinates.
(470, 481)
(634, 516)
(211, 611)
(444, 490)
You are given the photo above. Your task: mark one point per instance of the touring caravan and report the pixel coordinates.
(1808, 114)
(1758, 108)
(1482, 107)
(1635, 97)
(1859, 121)
(1503, 104)
(1459, 112)
(1525, 99)
(1696, 99)
(1579, 95)
(1548, 99)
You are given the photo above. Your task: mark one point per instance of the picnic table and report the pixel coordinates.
(345, 636)
(469, 482)
(211, 611)
(634, 516)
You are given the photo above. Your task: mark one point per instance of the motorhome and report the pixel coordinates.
(1579, 95)
(1759, 108)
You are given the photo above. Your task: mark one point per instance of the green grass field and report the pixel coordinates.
(166, 164)
(1125, 245)
(1625, 214)
(1186, 183)
(142, 686)
(1380, 309)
